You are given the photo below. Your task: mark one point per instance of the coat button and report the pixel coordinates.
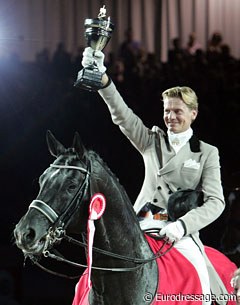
(159, 187)
(155, 200)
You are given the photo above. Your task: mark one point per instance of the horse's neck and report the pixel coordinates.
(118, 230)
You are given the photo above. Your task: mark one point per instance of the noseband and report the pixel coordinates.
(45, 209)
(57, 232)
(60, 222)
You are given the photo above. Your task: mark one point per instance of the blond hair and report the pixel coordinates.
(186, 94)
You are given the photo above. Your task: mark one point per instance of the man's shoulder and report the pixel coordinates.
(206, 146)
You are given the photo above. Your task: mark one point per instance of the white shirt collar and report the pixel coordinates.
(178, 140)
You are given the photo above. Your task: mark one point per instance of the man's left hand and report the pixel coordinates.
(173, 231)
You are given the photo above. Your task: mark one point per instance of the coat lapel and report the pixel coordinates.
(172, 161)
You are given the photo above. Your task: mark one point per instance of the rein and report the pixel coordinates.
(60, 258)
(57, 232)
(123, 257)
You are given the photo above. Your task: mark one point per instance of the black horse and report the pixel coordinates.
(60, 190)
(62, 205)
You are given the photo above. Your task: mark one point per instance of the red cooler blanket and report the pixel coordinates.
(178, 279)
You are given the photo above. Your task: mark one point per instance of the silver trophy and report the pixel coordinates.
(98, 32)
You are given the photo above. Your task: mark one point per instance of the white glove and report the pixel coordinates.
(91, 57)
(173, 231)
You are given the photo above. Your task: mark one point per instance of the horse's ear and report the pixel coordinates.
(54, 146)
(78, 145)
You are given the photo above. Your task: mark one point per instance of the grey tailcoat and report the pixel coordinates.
(196, 165)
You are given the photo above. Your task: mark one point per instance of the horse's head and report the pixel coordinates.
(62, 187)
(63, 204)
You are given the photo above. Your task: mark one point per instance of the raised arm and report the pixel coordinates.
(129, 123)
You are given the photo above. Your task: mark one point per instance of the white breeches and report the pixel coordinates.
(187, 247)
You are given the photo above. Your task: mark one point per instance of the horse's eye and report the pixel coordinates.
(72, 187)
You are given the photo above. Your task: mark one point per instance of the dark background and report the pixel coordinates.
(39, 96)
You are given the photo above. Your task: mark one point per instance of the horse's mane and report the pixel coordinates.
(129, 213)
(93, 157)
(97, 163)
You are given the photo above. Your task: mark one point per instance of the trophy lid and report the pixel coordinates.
(98, 31)
(100, 22)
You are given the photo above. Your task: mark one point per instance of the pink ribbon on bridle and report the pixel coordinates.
(96, 209)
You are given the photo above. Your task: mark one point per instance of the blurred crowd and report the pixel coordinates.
(40, 95)
(39, 87)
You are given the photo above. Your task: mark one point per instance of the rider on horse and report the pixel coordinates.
(173, 160)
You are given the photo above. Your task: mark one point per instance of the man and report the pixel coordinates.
(173, 161)
(236, 284)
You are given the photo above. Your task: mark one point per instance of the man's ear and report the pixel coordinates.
(194, 115)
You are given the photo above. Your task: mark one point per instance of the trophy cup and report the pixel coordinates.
(97, 33)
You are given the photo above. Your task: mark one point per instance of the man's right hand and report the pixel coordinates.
(91, 57)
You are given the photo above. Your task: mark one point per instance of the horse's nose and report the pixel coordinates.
(25, 236)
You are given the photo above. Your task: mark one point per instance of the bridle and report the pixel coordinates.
(59, 222)
(63, 219)
(57, 231)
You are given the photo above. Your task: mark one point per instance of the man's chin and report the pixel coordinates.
(173, 129)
